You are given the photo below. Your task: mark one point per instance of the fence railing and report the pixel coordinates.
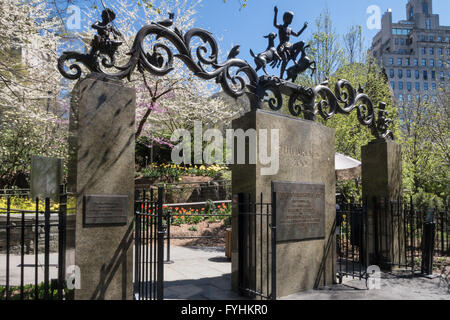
(192, 214)
(351, 240)
(191, 192)
(27, 245)
(257, 257)
(402, 237)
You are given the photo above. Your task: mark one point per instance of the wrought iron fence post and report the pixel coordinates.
(160, 263)
(36, 250)
(375, 231)
(428, 246)
(47, 249)
(366, 234)
(62, 241)
(168, 221)
(274, 246)
(137, 230)
(241, 247)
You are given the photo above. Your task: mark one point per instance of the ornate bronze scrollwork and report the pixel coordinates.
(235, 76)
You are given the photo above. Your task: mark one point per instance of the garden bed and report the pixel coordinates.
(209, 234)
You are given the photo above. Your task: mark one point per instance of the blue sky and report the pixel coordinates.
(247, 26)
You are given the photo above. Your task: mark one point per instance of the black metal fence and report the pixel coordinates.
(413, 237)
(149, 245)
(351, 239)
(215, 207)
(401, 237)
(24, 231)
(193, 192)
(257, 246)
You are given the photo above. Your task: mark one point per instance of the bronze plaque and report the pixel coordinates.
(105, 210)
(300, 210)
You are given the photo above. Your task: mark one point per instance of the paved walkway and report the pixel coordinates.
(198, 274)
(28, 267)
(205, 274)
(391, 288)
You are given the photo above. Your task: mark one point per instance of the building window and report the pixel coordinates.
(441, 63)
(423, 50)
(408, 61)
(409, 97)
(425, 75)
(425, 86)
(400, 73)
(399, 61)
(409, 86)
(433, 74)
(392, 85)
(424, 62)
(431, 62)
(422, 37)
(416, 62)
(411, 12)
(440, 51)
(400, 85)
(441, 74)
(428, 24)
(402, 32)
(417, 74)
(431, 39)
(400, 97)
(432, 51)
(425, 7)
(402, 42)
(396, 41)
(391, 61)
(439, 39)
(433, 85)
(391, 73)
(408, 73)
(417, 86)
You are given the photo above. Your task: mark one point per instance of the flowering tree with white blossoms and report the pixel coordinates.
(174, 101)
(30, 116)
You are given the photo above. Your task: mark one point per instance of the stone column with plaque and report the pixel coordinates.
(382, 183)
(305, 204)
(101, 178)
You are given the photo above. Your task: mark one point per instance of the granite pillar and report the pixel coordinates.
(306, 155)
(101, 170)
(381, 185)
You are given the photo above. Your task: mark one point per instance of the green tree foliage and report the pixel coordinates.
(325, 48)
(425, 146)
(350, 135)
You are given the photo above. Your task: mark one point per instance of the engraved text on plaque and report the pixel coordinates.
(300, 210)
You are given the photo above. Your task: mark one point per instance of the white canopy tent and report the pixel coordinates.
(346, 167)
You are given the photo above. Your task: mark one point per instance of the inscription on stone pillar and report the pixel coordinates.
(300, 210)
